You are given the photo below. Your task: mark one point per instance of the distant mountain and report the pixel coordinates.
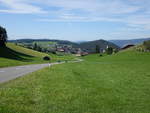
(81, 41)
(91, 45)
(122, 43)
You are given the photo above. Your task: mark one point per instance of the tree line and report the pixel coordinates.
(108, 50)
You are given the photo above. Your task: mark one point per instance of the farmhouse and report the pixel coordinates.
(77, 55)
(84, 53)
(127, 46)
(60, 50)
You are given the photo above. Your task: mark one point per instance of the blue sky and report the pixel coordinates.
(76, 20)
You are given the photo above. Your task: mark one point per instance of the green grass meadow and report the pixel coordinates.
(118, 83)
(46, 43)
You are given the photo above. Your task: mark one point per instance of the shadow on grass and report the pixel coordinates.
(6, 52)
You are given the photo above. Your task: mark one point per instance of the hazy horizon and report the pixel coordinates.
(76, 20)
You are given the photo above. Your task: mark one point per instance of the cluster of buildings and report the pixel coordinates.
(70, 50)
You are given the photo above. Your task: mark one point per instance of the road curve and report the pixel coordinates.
(10, 73)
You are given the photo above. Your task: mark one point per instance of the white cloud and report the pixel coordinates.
(89, 6)
(19, 6)
(130, 12)
(90, 10)
(79, 19)
(94, 6)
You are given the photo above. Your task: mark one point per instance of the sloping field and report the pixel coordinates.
(25, 50)
(14, 55)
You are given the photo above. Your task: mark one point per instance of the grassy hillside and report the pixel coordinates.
(25, 50)
(44, 44)
(14, 55)
(112, 84)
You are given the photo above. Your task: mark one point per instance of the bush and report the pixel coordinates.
(100, 55)
(116, 50)
(53, 52)
(58, 61)
(147, 45)
(109, 50)
(46, 58)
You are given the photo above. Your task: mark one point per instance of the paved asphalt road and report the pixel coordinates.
(9, 73)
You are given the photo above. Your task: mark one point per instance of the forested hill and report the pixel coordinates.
(90, 45)
(122, 43)
(43, 40)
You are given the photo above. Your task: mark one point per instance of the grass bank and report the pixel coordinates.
(14, 55)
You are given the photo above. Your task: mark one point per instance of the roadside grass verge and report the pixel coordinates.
(111, 84)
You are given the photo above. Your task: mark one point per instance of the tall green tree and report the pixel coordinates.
(39, 48)
(3, 37)
(97, 49)
(147, 45)
(35, 46)
(109, 50)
